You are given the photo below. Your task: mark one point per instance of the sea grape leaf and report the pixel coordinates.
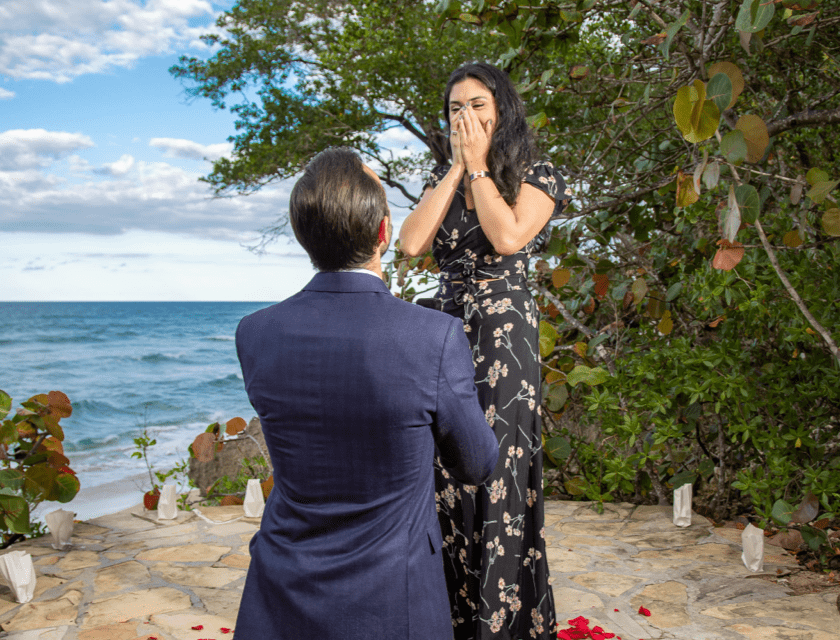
(736, 79)
(576, 486)
(728, 255)
(733, 146)
(15, 512)
(754, 15)
(59, 404)
(711, 174)
(66, 487)
(5, 404)
(782, 512)
(639, 290)
(558, 449)
(819, 191)
(831, 222)
(579, 72)
(673, 291)
(538, 120)
(560, 277)
(814, 538)
(719, 91)
(808, 509)
(234, 426)
(666, 324)
(548, 338)
(686, 195)
(11, 478)
(792, 239)
(748, 201)
(556, 398)
(755, 135)
(203, 447)
(815, 175)
(591, 376)
(732, 216)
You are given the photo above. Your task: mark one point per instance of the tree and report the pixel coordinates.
(694, 284)
(311, 74)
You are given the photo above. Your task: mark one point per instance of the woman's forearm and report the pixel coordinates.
(510, 228)
(419, 228)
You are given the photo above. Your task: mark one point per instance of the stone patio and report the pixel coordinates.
(128, 577)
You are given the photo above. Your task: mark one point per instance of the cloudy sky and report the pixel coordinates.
(100, 155)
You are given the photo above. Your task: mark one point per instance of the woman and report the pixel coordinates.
(483, 217)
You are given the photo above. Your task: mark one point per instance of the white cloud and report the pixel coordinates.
(61, 39)
(118, 168)
(5, 94)
(31, 148)
(180, 148)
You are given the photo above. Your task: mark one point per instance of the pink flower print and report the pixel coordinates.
(497, 491)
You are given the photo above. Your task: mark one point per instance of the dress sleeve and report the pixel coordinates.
(435, 176)
(546, 178)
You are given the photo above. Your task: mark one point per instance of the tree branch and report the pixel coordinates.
(807, 118)
(826, 336)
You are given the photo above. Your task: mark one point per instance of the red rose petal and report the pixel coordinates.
(644, 612)
(197, 627)
(225, 630)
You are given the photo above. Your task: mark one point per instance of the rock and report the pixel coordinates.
(228, 461)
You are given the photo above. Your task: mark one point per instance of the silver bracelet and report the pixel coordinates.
(479, 174)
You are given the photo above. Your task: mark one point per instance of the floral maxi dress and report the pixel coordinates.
(494, 539)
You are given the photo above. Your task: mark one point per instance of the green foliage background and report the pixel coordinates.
(691, 295)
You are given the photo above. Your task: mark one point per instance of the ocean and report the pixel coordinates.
(168, 367)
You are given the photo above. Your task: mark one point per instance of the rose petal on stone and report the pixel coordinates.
(644, 612)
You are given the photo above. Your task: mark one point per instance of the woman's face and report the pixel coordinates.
(474, 93)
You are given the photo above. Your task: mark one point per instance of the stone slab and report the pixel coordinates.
(220, 602)
(115, 631)
(561, 560)
(776, 633)
(587, 529)
(237, 561)
(53, 633)
(200, 552)
(135, 604)
(667, 602)
(179, 625)
(233, 529)
(805, 611)
(607, 583)
(574, 602)
(214, 577)
(49, 613)
(79, 560)
(120, 576)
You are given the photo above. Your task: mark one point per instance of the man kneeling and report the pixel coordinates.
(355, 389)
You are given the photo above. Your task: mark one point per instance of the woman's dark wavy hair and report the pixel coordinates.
(512, 148)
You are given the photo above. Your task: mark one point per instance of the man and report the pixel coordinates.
(355, 389)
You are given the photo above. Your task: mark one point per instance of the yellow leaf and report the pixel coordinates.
(755, 135)
(792, 239)
(666, 325)
(560, 277)
(831, 222)
(798, 442)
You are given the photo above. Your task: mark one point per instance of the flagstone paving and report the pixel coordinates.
(129, 577)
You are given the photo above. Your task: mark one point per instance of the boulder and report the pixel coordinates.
(228, 461)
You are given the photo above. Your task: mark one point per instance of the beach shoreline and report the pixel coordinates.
(101, 500)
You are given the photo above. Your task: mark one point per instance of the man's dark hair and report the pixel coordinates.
(335, 210)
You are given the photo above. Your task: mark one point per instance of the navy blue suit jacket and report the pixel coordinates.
(354, 389)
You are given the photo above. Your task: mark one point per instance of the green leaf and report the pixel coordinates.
(5, 404)
(711, 174)
(15, 512)
(8, 432)
(671, 32)
(754, 15)
(537, 121)
(748, 201)
(548, 338)
(556, 398)
(558, 449)
(591, 376)
(673, 291)
(66, 487)
(639, 290)
(782, 512)
(683, 478)
(719, 91)
(814, 538)
(815, 176)
(576, 486)
(820, 190)
(11, 478)
(707, 123)
(831, 222)
(733, 146)
(732, 216)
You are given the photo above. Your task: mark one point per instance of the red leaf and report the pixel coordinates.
(728, 256)
(644, 612)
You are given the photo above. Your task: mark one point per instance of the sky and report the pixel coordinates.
(100, 155)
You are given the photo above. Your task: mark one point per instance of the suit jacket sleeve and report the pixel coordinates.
(468, 446)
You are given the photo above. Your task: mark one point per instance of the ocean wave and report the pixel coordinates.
(164, 357)
(220, 338)
(90, 408)
(66, 339)
(227, 381)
